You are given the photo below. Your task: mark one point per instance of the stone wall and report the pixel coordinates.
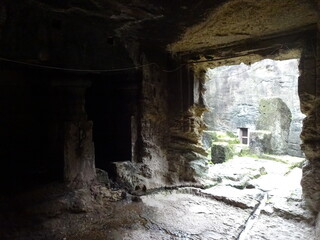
(233, 95)
(154, 127)
(169, 120)
(309, 89)
(46, 136)
(317, 227)
(149, 165)
(186, 153)
(170, 125)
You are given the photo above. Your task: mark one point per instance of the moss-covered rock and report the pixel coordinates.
(221, 152)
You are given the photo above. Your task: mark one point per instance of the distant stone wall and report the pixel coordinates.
(233, 95)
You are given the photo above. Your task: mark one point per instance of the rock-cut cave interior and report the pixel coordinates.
(108, 130)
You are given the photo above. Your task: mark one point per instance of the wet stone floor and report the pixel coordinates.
(241, 188)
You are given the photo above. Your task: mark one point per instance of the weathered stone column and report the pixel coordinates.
(186, 153)
(75, 131)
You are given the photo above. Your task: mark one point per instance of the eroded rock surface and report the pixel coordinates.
(220, 152)
(224, 25)
(275, 116)
(242, 181)
(260, 142)
(219, 212)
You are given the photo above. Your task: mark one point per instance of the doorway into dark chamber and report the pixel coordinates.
(112, 106)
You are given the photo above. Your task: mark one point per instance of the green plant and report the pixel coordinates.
(245, 153)
(231, 134)
(234, 141)
(272, 158)
(210, 185)
(209, 153)
(296, 165)
(215, 137)
(210, 162)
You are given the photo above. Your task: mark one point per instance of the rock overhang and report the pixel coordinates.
(238, 20)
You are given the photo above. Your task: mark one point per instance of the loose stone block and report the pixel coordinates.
(221, 152)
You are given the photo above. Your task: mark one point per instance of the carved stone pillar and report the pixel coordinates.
(74, 130)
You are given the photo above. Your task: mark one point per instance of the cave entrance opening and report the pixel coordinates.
(256, 104)
(112, 106)
(254, 125)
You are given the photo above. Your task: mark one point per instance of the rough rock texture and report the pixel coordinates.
(221, 152)
(79, 153)
(186, 223)
(102, 177)
(186, 125)
(79, 36)
(105, 38)
(43, 42)
(199, 167)
(275, 116)
(277, 228)
(317, 228)
(309, 95)
(207, 139)
(234, 92)
(185, 213)
(260, 142)
(78, 148)
(242, 179)
(224, 26)
(153, 125)
(150, 163)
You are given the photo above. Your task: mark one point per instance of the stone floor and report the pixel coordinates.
(221, 211)
(178, 215)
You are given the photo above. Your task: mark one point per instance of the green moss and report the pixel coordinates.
(221, 152)
(234, 141)
(231, 134)
(294, 165)
(209, 152)
(267, 157)
(246, 153)
(210, 185)
(215, 137)
(227, 137)
(256, 176)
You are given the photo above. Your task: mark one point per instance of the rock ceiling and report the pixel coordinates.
(189, 25)
(93, 29)
(246, 19)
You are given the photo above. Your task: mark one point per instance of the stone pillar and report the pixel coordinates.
(75, 131)
(186, 152)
